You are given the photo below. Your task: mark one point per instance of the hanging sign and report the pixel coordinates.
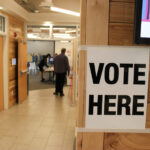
(117, 86)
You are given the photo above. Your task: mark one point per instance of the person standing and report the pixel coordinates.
(43, 63)
(61, 67)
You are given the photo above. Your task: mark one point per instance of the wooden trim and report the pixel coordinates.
(97, 20)
(122, 12)
(121, 34)
(148, 116)
(82, 89)
(92, 141)
(79, 141)
(74, 92)
(83, 22)
(126, 141)
(1, 75)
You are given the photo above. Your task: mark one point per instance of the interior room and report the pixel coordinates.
(36, 51)
(43, 40)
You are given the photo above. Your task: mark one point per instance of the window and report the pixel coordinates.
(2, 24)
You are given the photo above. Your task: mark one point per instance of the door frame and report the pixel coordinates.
(5, 61)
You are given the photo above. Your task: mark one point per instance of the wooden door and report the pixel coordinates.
(1, 75)
(22, 71)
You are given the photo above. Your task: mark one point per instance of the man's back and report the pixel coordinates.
(61, 64)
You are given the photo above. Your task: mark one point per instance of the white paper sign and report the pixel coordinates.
(117, 86)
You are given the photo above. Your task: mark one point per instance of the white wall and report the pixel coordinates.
(69, 47)
(41, 47)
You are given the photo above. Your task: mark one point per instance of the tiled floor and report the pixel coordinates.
(43, 122)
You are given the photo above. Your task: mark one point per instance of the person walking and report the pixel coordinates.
(61, 67)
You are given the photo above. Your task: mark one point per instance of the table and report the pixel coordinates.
(50, 70)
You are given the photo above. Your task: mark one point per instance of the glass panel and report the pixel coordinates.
(2, 24)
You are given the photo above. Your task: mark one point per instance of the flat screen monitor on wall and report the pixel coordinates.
(142, 22)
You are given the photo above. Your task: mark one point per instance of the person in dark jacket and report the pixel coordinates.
(61, 67)
(43, 63)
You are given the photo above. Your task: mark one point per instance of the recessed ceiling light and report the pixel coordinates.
(44, 28)
(64, 41)
(61, 35)
(1, 7)
(59, 28)
(47, 23)
(71, 31)
(65, 11)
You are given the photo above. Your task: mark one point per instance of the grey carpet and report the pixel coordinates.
(36, 84)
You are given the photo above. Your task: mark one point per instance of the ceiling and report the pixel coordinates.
(43, 6)
(25, 9)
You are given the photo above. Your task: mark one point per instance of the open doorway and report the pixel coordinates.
(43, 40)
(37, 51)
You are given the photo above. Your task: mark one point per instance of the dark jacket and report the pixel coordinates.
(43, 62)
(61, 64)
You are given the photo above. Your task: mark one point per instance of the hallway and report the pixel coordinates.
(43, 122)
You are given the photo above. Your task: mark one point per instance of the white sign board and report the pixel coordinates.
(117, 86)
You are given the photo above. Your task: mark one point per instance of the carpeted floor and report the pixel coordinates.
(36, 84)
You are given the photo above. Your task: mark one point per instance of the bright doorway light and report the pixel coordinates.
(64, 36)
(32, 36)
(47, 23)
(1, 7)
(65, 11)
(44, 28)
(64, 41)
(59, 28)
(72, 31)
(61, 35)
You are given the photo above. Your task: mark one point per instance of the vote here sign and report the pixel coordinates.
(117, 87)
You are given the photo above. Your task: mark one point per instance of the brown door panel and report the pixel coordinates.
(22, 71)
